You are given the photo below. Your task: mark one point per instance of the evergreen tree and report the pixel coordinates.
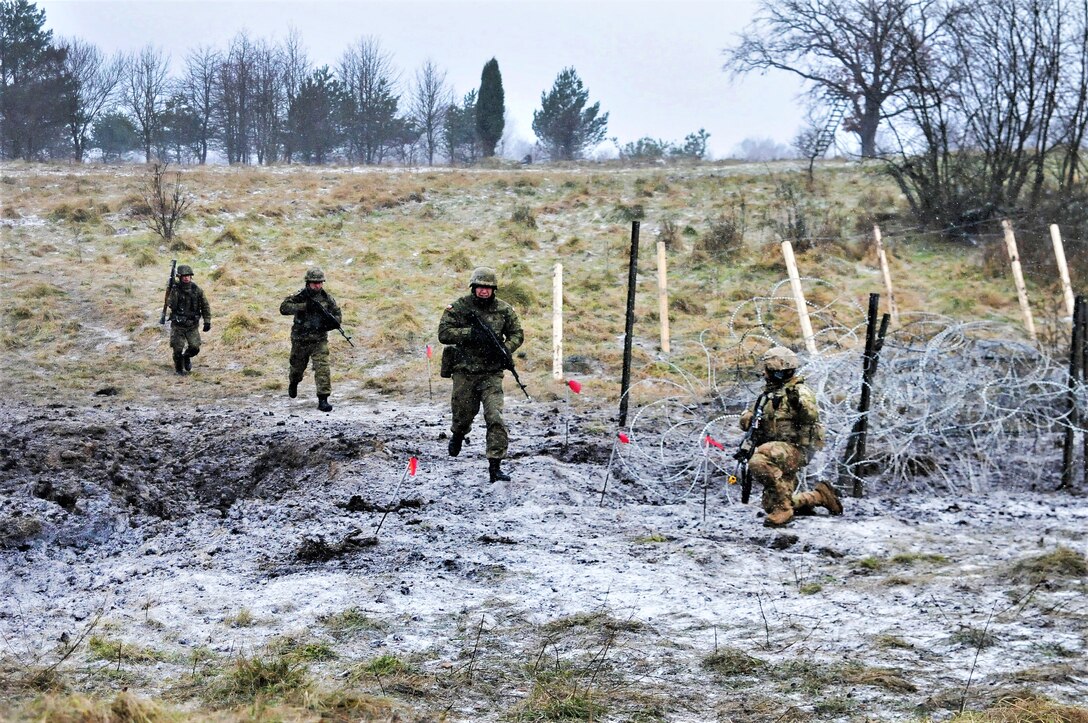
(315, 116)
(564, 125)
(34, 88)
(490, 108)
(459, 133)
(114, 134)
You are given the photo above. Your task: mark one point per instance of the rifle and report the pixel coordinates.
(329, 319)
(746, 449)
(169, 288)
(508, 361)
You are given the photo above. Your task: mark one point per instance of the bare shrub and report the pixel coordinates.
(166, 207)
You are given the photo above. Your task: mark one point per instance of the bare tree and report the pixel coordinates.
(296, 69)
(269, 105)
(856, 50)
(167, 206)
(1073, 100)
(144, 92)
(369, 78)
(198, 87)
(431, 98)
(94, 79)
(234, 98)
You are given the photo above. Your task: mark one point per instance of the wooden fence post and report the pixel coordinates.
(1063, 267)
(1018, 277)
(799, 297)
(886, 273)
(855, 443)
(663, 295)
(557, 323)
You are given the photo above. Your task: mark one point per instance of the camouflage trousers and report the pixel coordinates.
(774, 465)
(317, 351)
(469, 392)
(185, 339)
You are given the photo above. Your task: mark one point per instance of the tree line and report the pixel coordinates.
(976, 107)
(259, 102)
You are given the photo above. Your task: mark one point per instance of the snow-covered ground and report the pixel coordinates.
(171, 521)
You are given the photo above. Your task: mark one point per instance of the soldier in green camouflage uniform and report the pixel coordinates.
(478, 369)
(311, 306)
(788, 435)
(187, 305)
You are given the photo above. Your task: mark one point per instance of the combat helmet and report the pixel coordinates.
(483, 276)
(780, 359)
(313, 275)
(184, 270)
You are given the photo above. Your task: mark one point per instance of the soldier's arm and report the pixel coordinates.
(451, 330)
(205, 307)
(512, 331)
(334, 309)
(292, 305)
(805, 408)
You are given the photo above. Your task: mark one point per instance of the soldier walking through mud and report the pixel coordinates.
(316, 314)
(477, 364)
(788, 435)
(187, 305)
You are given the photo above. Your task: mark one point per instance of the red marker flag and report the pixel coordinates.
(413, 462)
(430, 352)
(575, 387)
(624, 438)
(716, 443)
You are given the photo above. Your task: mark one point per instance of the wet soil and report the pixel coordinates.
(168, 521)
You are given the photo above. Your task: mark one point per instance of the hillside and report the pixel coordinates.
(205, 548)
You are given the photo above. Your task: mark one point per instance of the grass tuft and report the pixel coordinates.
(1060, 563)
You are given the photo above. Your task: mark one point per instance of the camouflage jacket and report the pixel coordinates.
(790, 415)
(187, 305)
(476, 356)
(310, 323)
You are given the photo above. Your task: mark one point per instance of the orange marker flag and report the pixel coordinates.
(412, 464)
(710, 440)
(575, 386)
(624, 438)
(430, 351)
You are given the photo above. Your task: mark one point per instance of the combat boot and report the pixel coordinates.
(187, 361)
(779, 517)
(495, 471)
(323, 403)
(455, 444)
(823, 495)
(292, 389)
(179, 364)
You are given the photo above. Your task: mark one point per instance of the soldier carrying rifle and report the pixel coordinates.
(483, 332)
(316, 314)
(187, 305)
(787, 435)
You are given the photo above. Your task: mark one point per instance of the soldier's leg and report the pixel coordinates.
(498, 439)
(300, 357)
(177, 344)
(192, 340)
(322, 375)
(319, 357)
(822, 495)
(464, 403)
(774, 465)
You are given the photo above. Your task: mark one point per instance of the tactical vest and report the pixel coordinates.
(185, 306)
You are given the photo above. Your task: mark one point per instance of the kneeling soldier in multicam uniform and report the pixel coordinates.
(312, 308)
(788, 435)
(187, 305)
(478, 370)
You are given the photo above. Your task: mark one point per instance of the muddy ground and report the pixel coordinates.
(200, 535)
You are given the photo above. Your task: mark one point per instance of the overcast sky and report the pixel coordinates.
(655, 67)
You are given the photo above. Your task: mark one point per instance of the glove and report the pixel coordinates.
(480, 337)
(746, 420)
(207, 326)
